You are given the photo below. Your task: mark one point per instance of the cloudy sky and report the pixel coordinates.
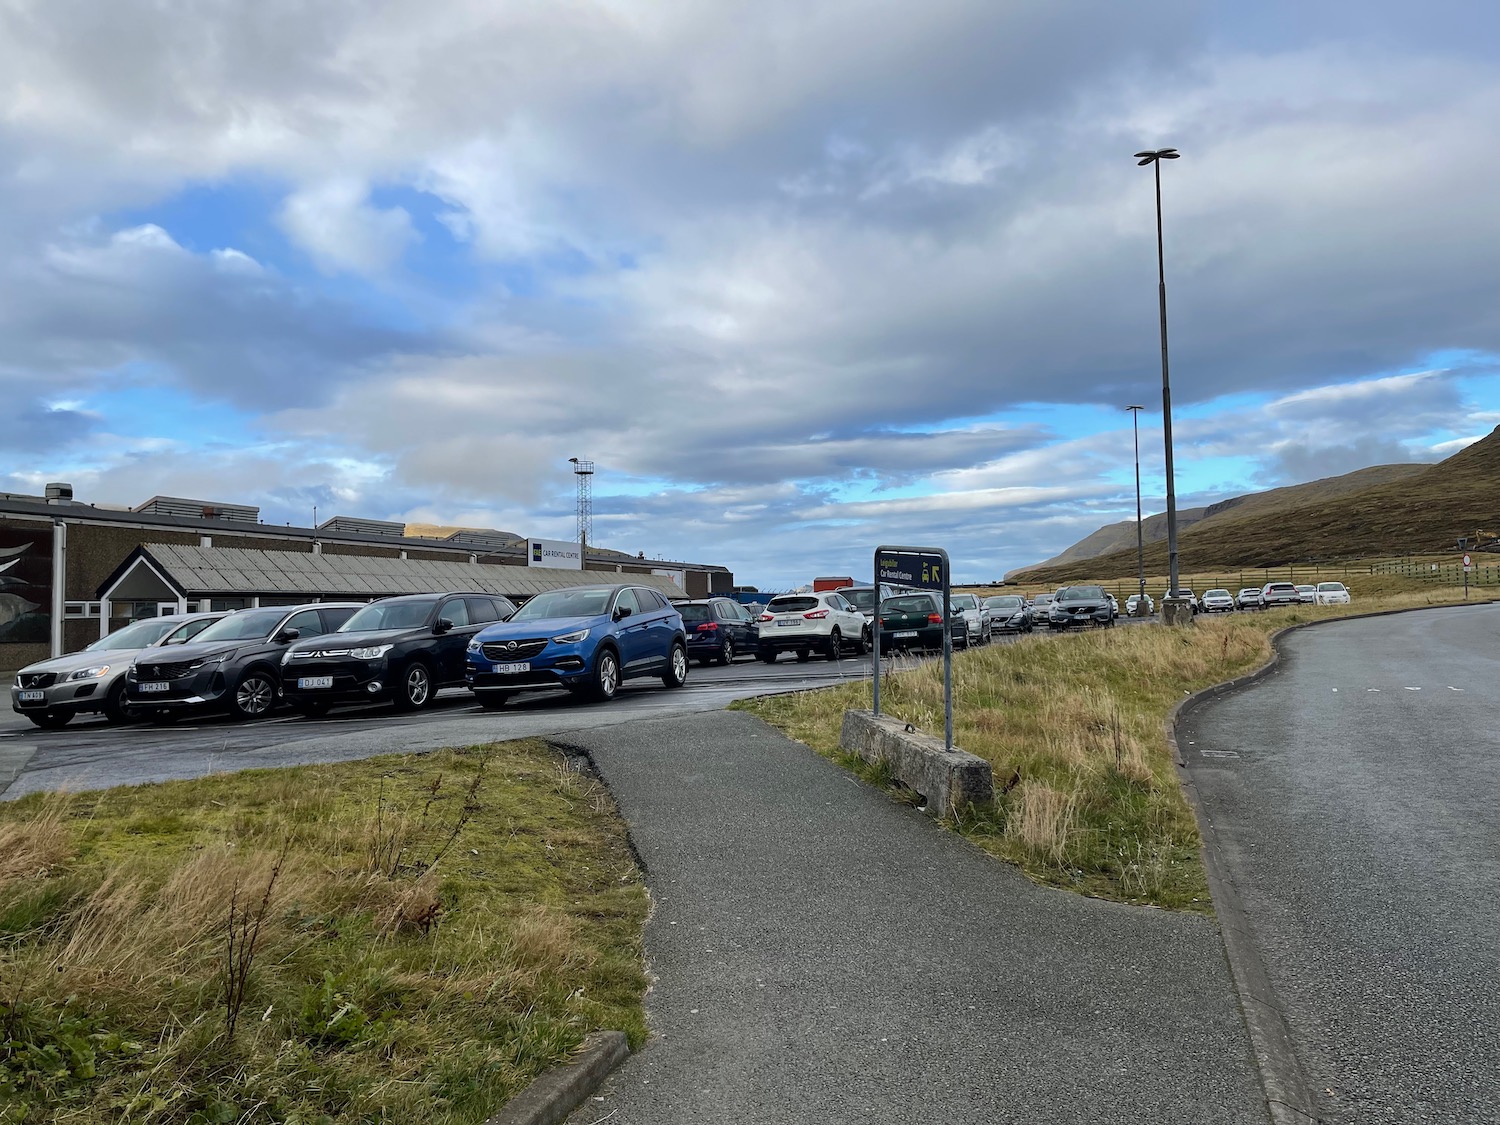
(799, 278)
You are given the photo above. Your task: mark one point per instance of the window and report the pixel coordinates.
(456, 612)
(221, 605)
(249, 624)
(336, 616)
(792, 604)
(626, 600)
(693, 614)
(565, 603)
(389, 615)
(307, 623)
(78, 610)
(481, 611)
(727, 611)
(911, 603)
(650, 601)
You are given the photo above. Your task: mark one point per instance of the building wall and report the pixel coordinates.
(25, 594)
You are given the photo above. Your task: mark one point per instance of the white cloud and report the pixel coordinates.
(335, 222)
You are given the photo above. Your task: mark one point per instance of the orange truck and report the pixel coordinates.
(821, 584)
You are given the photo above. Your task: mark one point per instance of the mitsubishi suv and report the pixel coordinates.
(402, 649)
(233, 665)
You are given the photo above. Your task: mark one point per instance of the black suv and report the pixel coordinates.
(234, 665)
(718, 629)
(402, 649)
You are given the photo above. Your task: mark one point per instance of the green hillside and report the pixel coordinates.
(1389, 510)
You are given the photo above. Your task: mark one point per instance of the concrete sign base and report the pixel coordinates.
(1176, 611)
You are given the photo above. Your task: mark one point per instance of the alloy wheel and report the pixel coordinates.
(418, 685)
(253, 697)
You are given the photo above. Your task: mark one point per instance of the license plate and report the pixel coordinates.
(512, 669)
(905, 635)
(306, 683)
(33, 696)
(785, 622)
(157, 686)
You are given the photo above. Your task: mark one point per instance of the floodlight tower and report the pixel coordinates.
(584, 471)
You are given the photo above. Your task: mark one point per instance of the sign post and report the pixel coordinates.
(1468, 566)
(920, 568)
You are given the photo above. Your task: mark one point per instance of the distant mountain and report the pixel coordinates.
(1385, 509)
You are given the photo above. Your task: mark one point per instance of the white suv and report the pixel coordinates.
(822, 622)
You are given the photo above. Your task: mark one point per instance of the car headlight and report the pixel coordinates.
(474, 645)
(374, 652)
(89, 673)
(209, 661)
(570, 638)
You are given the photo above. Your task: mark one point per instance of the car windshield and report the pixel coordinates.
(248, 624)
(693, 614)
(1330, 587)
(142, 634)
(581, 602)
(1081, 593)
(792, 605)
(859, 599)
(389, 615)
(913, 603)
(964, 601)
(1217, 594)
(1003, 601)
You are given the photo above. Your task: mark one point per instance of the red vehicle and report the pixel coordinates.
(820, 585)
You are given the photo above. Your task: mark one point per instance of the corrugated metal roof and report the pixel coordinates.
(234, 571)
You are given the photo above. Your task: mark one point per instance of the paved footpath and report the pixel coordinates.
(826, 955)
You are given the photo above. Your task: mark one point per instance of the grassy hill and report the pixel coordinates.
(1385, 510)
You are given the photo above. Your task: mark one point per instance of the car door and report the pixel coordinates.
(661, 628)
(449, 648)
(630, 631)
(734, 619)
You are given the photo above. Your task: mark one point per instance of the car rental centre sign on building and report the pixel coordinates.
(555, 553)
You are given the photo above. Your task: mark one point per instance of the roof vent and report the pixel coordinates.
(59, 493)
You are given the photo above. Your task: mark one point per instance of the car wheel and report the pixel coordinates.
(768, 657)
(726, 654)
(414, 691)
(677, 668)
(606, 678)
(114, 705)
(254, 697)
(835, 648)
(315, 710)
(493, 700)
(51, 720)
(804, 655)
(861, 646)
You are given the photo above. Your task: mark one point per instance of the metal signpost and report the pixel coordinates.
(1468, 565)
(920, 568)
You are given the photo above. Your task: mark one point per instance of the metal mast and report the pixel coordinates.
(584, 471)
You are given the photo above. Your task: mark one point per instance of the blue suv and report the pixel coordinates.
(587, 639)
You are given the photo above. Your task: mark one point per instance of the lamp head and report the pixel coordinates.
(1151, 156)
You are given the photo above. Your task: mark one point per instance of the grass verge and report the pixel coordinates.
(1087, 794)
(399, 939)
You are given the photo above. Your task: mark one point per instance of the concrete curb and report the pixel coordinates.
(1288, 1096)
(560, 1090)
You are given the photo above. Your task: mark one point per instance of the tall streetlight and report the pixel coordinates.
(584, 472)
(1140, 540)
(1154, 158)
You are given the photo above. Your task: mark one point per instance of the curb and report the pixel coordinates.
(559, 1090)
(1288, 1097)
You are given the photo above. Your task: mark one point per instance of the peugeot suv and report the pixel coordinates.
(402, 649)
(586, 639)
(93, 679)
(233, 665)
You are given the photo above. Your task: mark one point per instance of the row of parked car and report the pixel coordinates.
(1270, 595)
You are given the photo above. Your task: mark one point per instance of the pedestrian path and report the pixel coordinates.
(826, 955)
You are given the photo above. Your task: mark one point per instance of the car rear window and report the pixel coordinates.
(792, 605)
(1331, 587)
(693, 614)
(916, 603)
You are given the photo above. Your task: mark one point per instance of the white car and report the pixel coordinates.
(1331, 593)
(806, 623)
(1248, 598)
(1114, 604)
(976, 616)
(1217, 601)
(1133, 602)
(1307, 595)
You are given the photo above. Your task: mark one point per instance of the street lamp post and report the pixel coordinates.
(1154, 157)
(1140, 540)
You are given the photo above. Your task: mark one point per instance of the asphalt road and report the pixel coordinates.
(1356, 793)
(823, 953)
(91, 754)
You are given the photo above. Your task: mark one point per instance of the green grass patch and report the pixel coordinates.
(406, 938)
(1088, 794)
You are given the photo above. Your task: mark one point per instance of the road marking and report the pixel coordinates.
(1219, 753)
(1413, 689)
(1372, 689)
(1452, 688)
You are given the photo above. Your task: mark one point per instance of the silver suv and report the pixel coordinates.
(51, 692)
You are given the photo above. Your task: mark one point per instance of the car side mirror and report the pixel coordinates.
(286, 636)
(621, 612)
(440, 626)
